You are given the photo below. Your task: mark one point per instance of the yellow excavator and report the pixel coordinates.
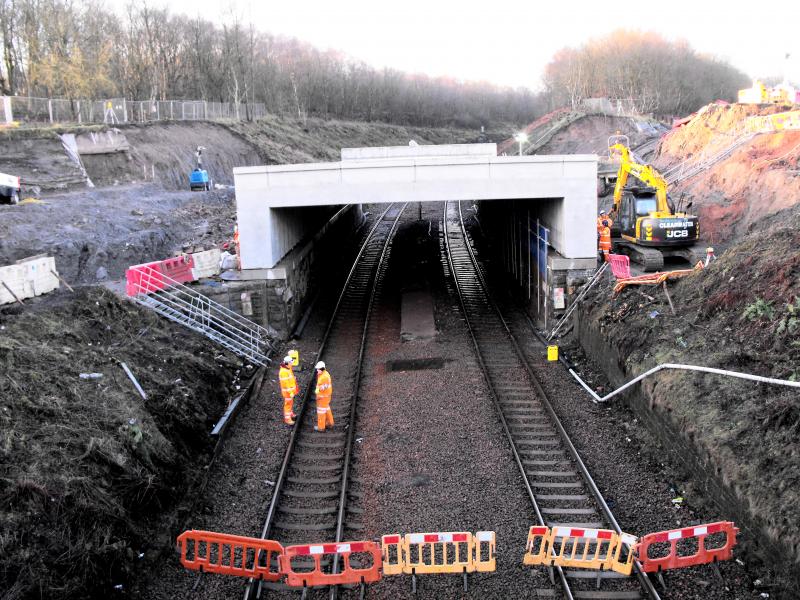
(646, 226)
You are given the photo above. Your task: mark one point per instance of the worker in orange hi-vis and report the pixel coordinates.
(324, 391)
(289, 389)
(605, 240)
(603, 217)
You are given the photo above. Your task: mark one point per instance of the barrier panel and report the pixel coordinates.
(144, 279)
(583, 548)
(179, 268)
(703, 555)
(226, 554)
(485, 552)
(206, 263)
(13, 283)
(392, 553)
(620, 266)
(538, 546)
(349, 574)
(597, 549)
(449, 552)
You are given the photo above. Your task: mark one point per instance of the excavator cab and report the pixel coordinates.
(646, 226)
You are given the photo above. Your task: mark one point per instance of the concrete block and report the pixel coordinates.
(38, 273)
(13, 277)
(206, 263)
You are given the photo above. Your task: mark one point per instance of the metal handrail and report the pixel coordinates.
(192, 309)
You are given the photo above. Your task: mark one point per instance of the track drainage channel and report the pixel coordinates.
(416, 364)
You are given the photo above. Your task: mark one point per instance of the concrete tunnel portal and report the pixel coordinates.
(284, 210)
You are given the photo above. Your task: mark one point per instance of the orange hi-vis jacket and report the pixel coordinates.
(324, 388)
(605, 239)
(288, 383)
(600, 223)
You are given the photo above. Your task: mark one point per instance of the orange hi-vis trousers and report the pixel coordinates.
(324, 392)
(288, 390)
(324, 413)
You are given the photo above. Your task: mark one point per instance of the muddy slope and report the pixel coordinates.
(96, 234)
(741, 314)
(283, 140)
(165, 153)
(41, 162)
(759, 179)
(89, 467)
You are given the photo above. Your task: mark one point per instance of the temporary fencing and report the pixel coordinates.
(146, 277)
(353, 568)
(620, 266)
(112, 111)
(363, 562)
(655, 278)
(774, 123)
(230, 554)
(27, 278)
(446, 552)
(597, 549)
(695, 537)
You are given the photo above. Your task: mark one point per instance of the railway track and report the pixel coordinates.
(311, 501)
(560, 487)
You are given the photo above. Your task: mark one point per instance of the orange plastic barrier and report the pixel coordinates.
(308, 577)
(620, 265)
(485, 551)
(230, 554)
(449, 552)
(672, 560)
(144, 279)
(598, 549)
(179, 268)
(392, 547)
(536, 549)
(154, 276)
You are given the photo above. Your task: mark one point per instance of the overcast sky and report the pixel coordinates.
(510, 41)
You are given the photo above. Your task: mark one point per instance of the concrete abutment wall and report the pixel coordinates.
(277, 298)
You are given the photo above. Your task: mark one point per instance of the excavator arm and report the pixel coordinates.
(644, 173)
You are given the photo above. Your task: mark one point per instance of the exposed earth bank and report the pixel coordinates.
(742, 313)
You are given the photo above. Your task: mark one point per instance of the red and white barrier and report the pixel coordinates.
(432, 538)
(332, 548)
(674, 560)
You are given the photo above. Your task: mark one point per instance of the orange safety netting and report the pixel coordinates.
(655, 278)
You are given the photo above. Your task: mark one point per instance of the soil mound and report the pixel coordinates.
(165, 153)
(282, 140)
(759, 179)
(742, 313)
(96, 234)
(88, 467)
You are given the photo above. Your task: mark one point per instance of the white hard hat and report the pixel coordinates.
(287, 359)
(319, 365)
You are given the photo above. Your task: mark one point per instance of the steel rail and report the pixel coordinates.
(643, 579)
(351, 431)
(492, 392)
(253, 588)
